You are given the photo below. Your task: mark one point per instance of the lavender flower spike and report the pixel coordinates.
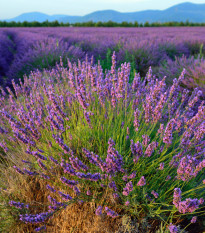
(173, 228)
(141, 182)
(40, 228)
(128, 188)
(18, 205)
(193, 220)
(99, 210)
(110, 212)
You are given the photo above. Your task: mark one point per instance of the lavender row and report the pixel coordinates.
(38, 48)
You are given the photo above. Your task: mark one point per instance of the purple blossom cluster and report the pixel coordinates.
(35, 218)
(137, 150)
(186, 168)
(155, 194)
(40, 228)
(187, 206)
(128, 188)
(110, 212)
(173, 228)
(55, 204)
(114, 160)
(141, 182)
(18, 205)
(61, 143)
(89, 176)
(99, 210)
(70, 183)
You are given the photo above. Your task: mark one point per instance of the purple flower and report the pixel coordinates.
(81, 99)
(136, 119)
(115, 195)
(177, 196)
(53, 160)
(155, 194)
(25, 161)
(50, 188)
(41, 165)
(168, 178)
(150, 149)
(168, 132)
(132, 175)
(112, 185)
(173, 228)
(18, 170)
(128, 188)
(137, 150)
(30, 173)
(99, 210)
(89, 176)
(146, 140)
(110, 212)
(141, 182)
(70, 183)
(37, 155)
(185, 170)
(77, 164)
(65, 196)
(40, 228)
(161, 166)
(3, 145)
(87, 117)
(161, 129)
(61, 143)
(127, 203)
(188, 206)
(201, 201)
(193, 220)
(35, 218)
(114, 160)
(76, 190)
(55, 203)
(18, 205)
(114, 100)
(89, 193)
(44, 176)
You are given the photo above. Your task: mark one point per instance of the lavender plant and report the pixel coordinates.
(195, 76)
(133, 148)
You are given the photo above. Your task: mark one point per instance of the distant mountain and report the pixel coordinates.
(181, 12)
(36, 16)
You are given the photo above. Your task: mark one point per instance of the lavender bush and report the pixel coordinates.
(195, 71)
(132, 149)
(6, 50)
(41, 55)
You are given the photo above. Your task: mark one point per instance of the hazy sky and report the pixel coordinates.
(12, 8)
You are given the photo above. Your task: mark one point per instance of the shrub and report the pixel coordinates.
(42, 55)
(195, 71)
(134, 149)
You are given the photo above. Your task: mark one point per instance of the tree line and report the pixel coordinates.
(99, 24)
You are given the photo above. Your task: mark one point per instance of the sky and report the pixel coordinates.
(13, 8)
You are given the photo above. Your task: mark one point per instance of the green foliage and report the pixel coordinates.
(99, 24)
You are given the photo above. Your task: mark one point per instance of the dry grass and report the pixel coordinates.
(76, 218)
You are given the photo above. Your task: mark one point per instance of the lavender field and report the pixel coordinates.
(102, 130)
